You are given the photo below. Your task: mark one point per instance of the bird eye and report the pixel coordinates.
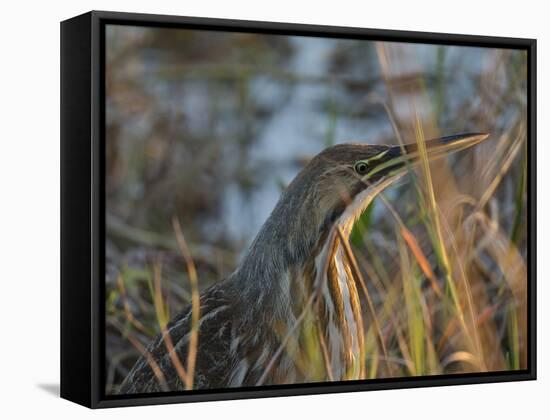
(361, 168)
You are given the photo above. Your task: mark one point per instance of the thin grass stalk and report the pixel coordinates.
(127, 311)
(414, 319)
(195, 303)
(163, 321)
(326, 358)
(519, 198)
(513, 333)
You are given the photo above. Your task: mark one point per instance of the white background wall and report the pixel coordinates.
(29, 218)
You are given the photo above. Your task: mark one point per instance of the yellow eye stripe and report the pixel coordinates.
(377, 157)
(373, 158)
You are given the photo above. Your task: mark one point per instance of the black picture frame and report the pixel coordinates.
(83, 207)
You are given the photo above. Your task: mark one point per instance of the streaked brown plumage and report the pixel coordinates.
(297, 283)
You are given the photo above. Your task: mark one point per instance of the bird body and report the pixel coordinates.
(297, 285)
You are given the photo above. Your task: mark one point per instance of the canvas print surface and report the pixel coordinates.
(290, 209)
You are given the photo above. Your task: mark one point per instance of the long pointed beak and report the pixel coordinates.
(396, 158)
(440, 146)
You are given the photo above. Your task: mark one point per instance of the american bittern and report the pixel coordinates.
(297, 269)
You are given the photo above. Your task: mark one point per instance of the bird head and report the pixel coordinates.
(346, 177)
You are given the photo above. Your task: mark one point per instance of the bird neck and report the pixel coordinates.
(286, 239)
(297, 229)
